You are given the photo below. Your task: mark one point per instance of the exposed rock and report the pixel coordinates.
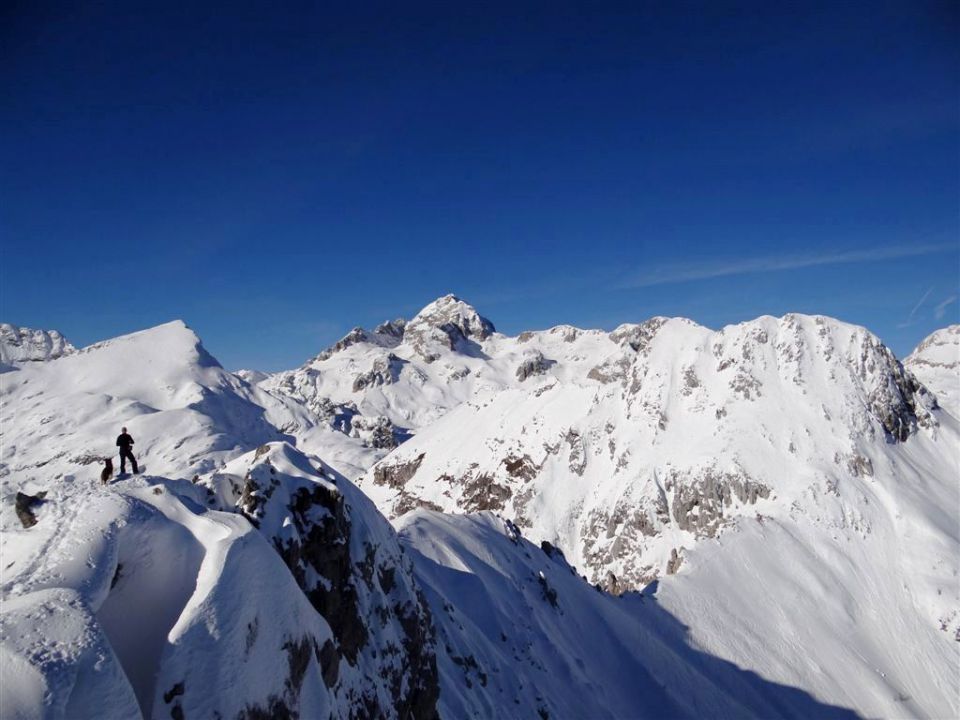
(392, 328)
(481, 492)
(395, 475)
(638, 336)
(355, 576)
(357, 335)
(699, 502)
(385, 371)
(676, 560)
(21, 344)
(522, 468)
(578, 454)
(536, 364)
(613, 369)
(406, 502)
(447, 323)
(377, 431)
(25, 505)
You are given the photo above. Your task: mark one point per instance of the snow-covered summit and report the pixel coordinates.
(180, 405)
(22, 344)
(936, 362)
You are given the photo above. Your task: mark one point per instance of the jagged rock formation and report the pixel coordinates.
(346, 560)
(22, 344)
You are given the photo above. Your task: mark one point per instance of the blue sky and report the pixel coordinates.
(277, 177)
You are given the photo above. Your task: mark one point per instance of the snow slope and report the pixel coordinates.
(520, 634)
(185, 412)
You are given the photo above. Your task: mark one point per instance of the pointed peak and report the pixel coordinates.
(451, 310)
(174, 339)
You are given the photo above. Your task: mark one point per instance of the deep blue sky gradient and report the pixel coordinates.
(275, 176)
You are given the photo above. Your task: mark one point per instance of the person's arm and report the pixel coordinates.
(118, 440)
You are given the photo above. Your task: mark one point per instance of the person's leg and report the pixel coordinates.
(133, 460)
(123, 461)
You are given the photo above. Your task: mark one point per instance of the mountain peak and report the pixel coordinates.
(448, 323)
(451, 310)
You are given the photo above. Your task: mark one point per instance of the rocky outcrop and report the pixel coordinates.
(355, 336)
(897, 400)
(535, 364)
(699, 500)
(377, 431)
(385, 371)
(24, 506)
(22, 344)
(392, 328)
(396, 474)
(638, 336)
(346, 559)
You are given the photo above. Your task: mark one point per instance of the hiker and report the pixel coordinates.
(125, 442)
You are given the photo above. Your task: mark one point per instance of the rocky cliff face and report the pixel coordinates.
(346, 560)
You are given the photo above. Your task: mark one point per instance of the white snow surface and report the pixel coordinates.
(773, 507)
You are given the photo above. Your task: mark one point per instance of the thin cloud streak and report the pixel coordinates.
(940, 310)
(686, 272)
(913, 313)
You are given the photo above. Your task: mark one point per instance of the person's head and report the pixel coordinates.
(123, 429)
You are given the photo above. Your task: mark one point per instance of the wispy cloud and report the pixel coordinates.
(668, 274)
(941, 309)
(913, 312)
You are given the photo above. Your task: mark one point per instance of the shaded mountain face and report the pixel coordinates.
(660, 520)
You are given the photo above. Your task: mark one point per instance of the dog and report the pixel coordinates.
(107, 471)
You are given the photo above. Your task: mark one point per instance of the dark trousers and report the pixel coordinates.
(124, 454)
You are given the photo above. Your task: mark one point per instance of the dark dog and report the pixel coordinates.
(107, 471)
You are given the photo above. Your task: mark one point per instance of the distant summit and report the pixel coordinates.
(23, 344)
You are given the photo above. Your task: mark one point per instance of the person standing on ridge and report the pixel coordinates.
(125, 443)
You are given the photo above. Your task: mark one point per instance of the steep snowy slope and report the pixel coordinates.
(521, 635)
(936, 362)
(20, 344)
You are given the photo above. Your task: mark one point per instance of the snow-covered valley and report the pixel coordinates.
(434, 519)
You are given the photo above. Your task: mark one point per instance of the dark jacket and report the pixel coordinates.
(124, 441)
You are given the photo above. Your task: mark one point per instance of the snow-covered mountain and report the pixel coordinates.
(769, 513)
(936, 363)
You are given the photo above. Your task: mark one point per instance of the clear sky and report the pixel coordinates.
(277, 176)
